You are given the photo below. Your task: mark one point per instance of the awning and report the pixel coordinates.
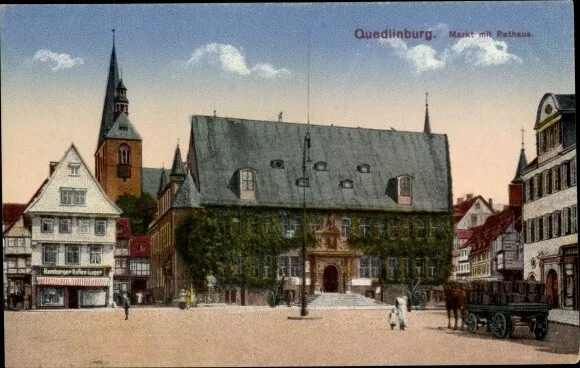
(73, 281)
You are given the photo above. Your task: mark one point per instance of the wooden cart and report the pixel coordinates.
(502, 319)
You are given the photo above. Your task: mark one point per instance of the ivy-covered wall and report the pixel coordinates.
(240, 245)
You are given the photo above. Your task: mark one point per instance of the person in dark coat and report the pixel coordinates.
(126, 305)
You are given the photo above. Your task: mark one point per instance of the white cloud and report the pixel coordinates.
(421, 57)
(232, 60)
(484, 51)
(480, 51)
(62, 61)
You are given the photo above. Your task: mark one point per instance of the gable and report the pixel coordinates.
(551, 106)
(96, 201)
(462, 212)
(223, 145)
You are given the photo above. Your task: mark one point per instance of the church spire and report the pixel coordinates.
(522, 162)
(427, 128)
(177, 167)
(108, 116)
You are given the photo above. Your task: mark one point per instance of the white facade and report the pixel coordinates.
(476, 215)
(550, 211)
(73, 232)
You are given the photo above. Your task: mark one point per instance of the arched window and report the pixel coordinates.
(124, 157)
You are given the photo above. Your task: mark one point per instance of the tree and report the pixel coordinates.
(139, 210)
(198, 243)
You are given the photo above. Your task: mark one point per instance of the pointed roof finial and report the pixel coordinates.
(113, 37)
(522, 137)
(177, 167)
(427, 126)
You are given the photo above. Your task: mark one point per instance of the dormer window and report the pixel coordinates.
(302, 182)
(247, 184)
(320, 166)
(277, 164)
(364, 168)
(404, 190)
(347, 184)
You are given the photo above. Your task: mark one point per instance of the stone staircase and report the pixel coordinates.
(330, 300)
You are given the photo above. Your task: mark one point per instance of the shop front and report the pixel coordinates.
(60, 287)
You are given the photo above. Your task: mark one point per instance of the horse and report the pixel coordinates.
(456, 300)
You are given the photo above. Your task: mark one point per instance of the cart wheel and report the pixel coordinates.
(541, 328)
(499, 325)
(471, 322)
(271, 299)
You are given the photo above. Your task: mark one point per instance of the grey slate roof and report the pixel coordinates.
(116, 131)
(162, 182)
(187, 195)
(150, 180)
(177, 167)
(108, 116)
(225, 145)
(522, 163)
(566, 102)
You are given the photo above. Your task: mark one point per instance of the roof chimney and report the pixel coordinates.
(459, 200)
(469, 197)
(51, 167)
(490, 201)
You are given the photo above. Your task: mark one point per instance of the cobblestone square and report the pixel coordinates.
(260, 336)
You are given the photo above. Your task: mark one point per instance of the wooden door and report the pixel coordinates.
(552, 288)
(330, 279)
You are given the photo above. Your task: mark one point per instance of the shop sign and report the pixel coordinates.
(61, 271)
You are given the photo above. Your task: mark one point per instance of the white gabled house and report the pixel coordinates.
(73, 229)
(467, 214)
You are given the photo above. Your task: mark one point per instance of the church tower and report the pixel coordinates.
(118, 159)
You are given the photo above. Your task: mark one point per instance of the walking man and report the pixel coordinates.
(126, 305)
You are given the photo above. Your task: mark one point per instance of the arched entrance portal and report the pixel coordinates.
(330, 279)
(552, 288)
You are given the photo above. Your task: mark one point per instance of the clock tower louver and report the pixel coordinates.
(118, 158)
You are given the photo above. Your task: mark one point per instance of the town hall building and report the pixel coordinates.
(385, 190)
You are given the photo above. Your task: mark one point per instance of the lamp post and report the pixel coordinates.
(305, 160)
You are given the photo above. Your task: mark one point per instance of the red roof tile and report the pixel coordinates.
(11, 211)
(464, 234)
(140, 246)
(485, 234)
(123, 228)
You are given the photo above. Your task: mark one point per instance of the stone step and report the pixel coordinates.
(340, 300)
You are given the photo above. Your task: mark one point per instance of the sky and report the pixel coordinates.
(311, 61)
